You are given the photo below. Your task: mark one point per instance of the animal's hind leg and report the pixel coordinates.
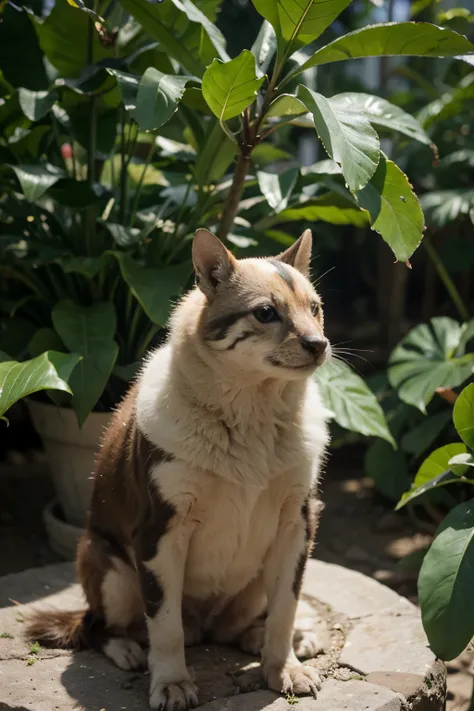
(242, 613)
(110, 583)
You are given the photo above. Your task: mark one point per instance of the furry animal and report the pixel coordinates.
(204, 509)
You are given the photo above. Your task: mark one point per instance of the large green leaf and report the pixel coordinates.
(436, 471)
(49, 371)
(157, 98)
(128, 85)
(420, 438)
(381, 112)
(63, 37)
(394, 210)
(410, 39)
(89, 332)
(446, 583)
(154, 288)
(168, 22)
(35, 179)
(330, 207)
(426, 360)
(347, 136)
(229, 87)
(36, 104)
(299, 23)
(354, 405)
(463, 415)
(277, 187)
(286, 105)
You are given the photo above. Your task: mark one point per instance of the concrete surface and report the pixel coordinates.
(375, 655)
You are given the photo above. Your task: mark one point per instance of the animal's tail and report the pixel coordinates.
(78, 629)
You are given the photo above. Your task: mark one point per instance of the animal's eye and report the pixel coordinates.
(314, 308)
(266, 314)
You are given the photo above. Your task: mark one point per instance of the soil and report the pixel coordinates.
(358, 530)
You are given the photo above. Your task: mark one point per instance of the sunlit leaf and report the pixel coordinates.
(229, 87)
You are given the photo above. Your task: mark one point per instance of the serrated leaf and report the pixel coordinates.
(229, 87)
(49, 371)
(394, 210)
(36, 179)
(277, 187)
(463, 415)
(298, 23)
(89, 332)
(408, 39)
(157, 98)
(354, 405)
(446, 582)
(36, 104)
(347, 136)
(435, 471)
(426, 360)
(381, 112)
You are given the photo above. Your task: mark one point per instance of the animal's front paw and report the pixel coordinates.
(178, 696)
(307, 644)
(293, 678)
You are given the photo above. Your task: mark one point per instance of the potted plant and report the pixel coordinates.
(126, 139)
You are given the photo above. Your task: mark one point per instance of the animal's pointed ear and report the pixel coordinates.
(299, 254)
(213, 263)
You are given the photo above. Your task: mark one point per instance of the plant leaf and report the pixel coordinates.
(157, 98)
(394, 209)
(49, 371)
(347, 136)
(381, 112)
(264, 46)
(277, 187)
(463, 415)
(446, 583)
(425, 360)
(435, 471)
(36, 104)
(299, 23)
(441, 207)
(286, 105)
(408, 39)
(354, 405)
(154, 288)
(418, 439)
(388, 469)
(35, 179)
(460, 462)
(231, 86)
(128, 85)
(330, 207)
(89, 332)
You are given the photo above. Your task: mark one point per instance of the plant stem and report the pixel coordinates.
(232, 203)
(123, 172)
(446, 279)
(140, 182)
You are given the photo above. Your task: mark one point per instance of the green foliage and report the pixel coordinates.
(231, 87)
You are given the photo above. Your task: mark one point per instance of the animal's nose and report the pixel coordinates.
(316, 345)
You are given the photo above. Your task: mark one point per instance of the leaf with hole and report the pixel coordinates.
(428, 358)
(89, 332)
(446, 582)
(49, 371)
(229, 87)
(347, 136)
(354, 405)
(394, 210)
(463, 415)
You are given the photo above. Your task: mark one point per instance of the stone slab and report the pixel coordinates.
(383, 638)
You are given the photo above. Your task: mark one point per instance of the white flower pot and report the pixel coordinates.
(70, 453)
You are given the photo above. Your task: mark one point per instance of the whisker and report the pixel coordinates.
(323, 275)
(355, 355)
(342, 360)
